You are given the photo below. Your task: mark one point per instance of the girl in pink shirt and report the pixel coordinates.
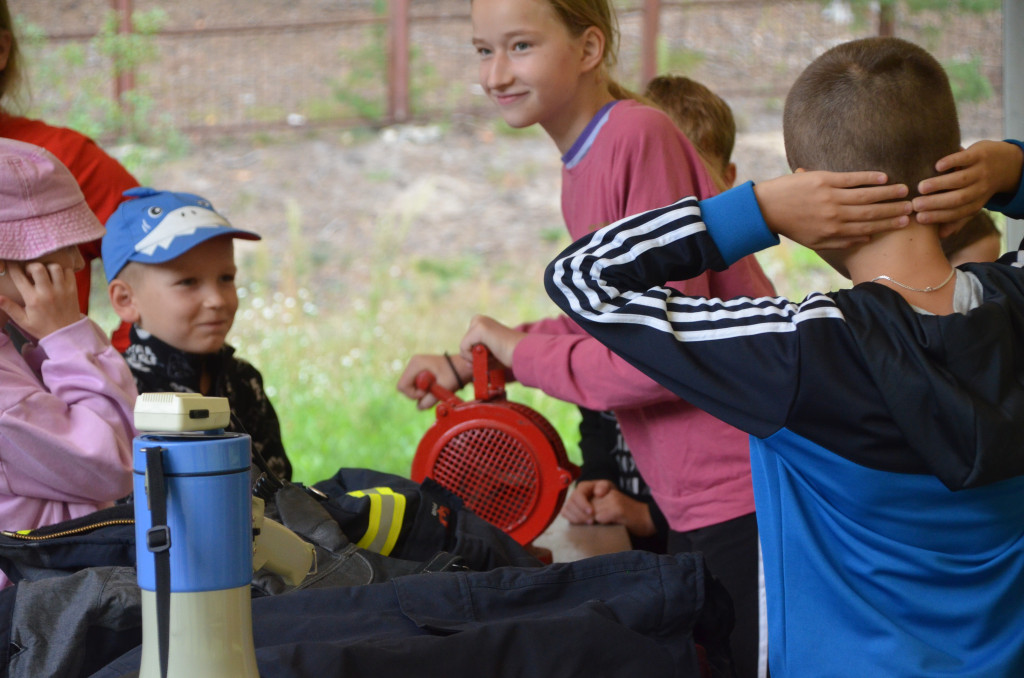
(66, 398)
(547, 62)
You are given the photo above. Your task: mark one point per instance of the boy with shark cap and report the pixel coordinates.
(170, 265)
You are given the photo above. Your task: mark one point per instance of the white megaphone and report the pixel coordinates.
(195, 522)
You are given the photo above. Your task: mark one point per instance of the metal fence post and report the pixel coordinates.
(398, 61)
(649, 49)
(124, 79)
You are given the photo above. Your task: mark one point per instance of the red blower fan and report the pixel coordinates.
(503, 459)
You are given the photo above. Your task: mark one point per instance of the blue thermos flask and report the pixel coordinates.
(194, 539)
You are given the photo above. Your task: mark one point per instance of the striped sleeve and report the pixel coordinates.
(737, 359)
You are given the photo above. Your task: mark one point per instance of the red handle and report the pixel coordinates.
(488, 384)
(426, 381)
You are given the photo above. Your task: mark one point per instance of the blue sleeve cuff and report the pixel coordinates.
(734, 221)
(1010, 204)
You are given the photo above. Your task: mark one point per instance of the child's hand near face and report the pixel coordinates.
(49, 297)
(980, 172)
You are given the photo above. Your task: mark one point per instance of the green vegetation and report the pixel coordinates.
(679, 61)
(951, 6)
(361, 91)
(330, 359)
(866, 11)
(368, 67)
(82, 96)
(797, 271)
(332, 379)
(331, 366)
(968, 81)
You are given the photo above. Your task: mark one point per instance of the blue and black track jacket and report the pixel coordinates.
(887, 446)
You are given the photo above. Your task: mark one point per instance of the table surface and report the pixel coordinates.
(572, 542)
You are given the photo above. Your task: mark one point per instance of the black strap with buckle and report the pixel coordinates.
(158, 541)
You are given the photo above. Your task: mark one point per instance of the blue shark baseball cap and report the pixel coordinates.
(157, 226)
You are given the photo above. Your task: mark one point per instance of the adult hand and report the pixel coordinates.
(443, 374)
(49, 296)
(832, 210)
(973, 176)
(501, 340)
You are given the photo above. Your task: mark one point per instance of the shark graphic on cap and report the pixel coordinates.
(157, 226)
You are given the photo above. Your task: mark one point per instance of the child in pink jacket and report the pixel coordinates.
(66, 398)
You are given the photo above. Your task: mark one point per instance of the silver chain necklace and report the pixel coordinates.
(917, 289)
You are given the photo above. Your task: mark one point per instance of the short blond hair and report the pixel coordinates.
(702, 115)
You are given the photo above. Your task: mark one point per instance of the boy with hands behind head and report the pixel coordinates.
(169, 259)
(885, 419)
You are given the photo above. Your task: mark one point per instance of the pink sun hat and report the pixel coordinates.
(41, 206)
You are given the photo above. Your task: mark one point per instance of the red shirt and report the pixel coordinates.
(101, 177)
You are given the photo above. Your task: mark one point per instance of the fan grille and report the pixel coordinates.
(492, 472)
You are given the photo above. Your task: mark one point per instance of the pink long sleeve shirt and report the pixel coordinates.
(698, 468)
(65, 427)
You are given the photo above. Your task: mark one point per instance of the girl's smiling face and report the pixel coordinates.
(530, 66)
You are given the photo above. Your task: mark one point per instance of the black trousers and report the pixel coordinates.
(622, 615)
(730, 552)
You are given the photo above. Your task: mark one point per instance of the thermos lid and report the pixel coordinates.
(195, 454)
(172, 411)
